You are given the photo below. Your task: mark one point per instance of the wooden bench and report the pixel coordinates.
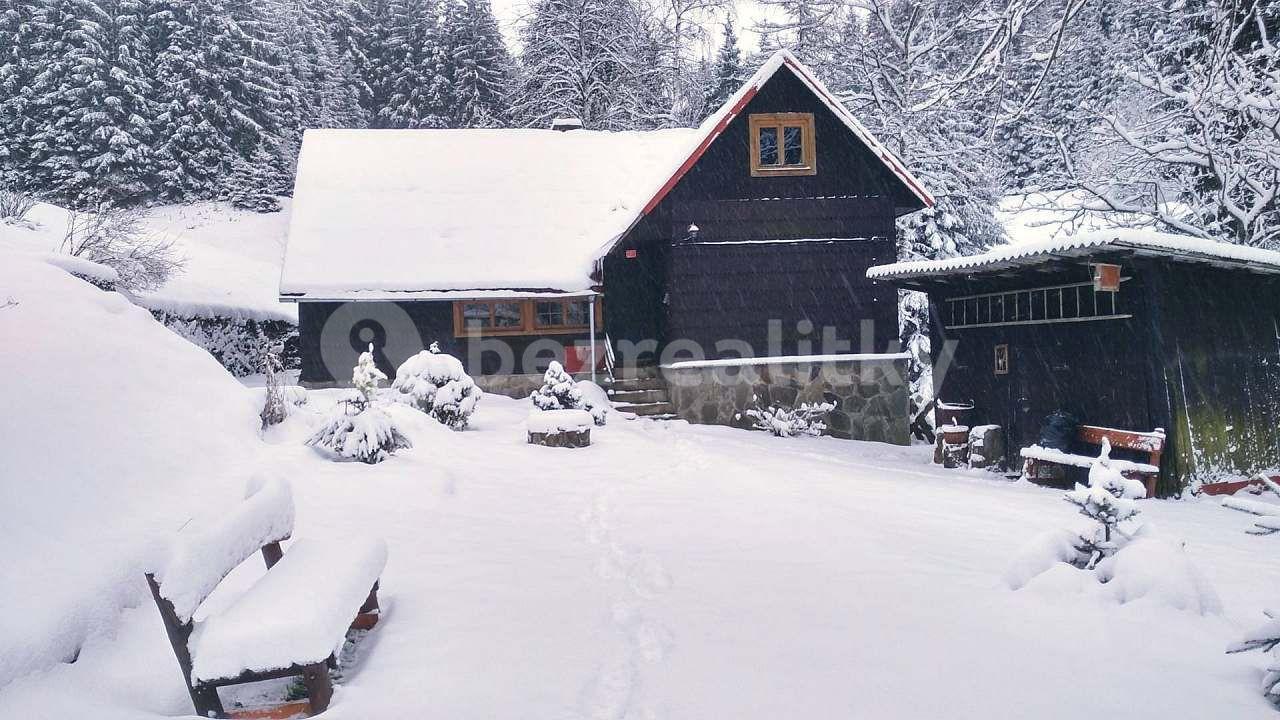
(290, 623)
(1151, 444)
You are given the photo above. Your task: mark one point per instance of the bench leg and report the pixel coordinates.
(367, 616)
(319, 687)
(206, 701)
(1151, 485)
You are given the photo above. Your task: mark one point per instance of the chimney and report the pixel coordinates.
(566, 124)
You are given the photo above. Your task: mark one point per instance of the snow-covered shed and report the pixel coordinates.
(1128, 329)
(511, 247)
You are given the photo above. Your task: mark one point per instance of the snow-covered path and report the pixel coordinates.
(674, 571)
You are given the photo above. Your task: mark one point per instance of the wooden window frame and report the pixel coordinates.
(528, 318)
(808, 144)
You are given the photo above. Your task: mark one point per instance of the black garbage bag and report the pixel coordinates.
(1059, 431)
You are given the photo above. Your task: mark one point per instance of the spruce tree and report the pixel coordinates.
(728, 75)
(252, 184)
(19, 64)
(90, 102)
(479, 68)
(419, 91)
(219, 90)
(587, 59)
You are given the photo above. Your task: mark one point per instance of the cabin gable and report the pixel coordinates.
(846, 167)
(770, 261)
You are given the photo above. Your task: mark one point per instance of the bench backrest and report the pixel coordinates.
(204, 552)
(1151, 443)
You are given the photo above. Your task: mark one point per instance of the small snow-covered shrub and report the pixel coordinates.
(803, 420)
(1265, 638)
(1108, 500)
(436, 383)
(274, 409)
(15, 204)
(118, 238)
(357, 429)
(559, 391)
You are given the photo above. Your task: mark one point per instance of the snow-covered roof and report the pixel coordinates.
(385, 212)
(1181, 248)
(403, 214)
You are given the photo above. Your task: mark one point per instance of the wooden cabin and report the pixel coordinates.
(583, 245)
(1132, 330)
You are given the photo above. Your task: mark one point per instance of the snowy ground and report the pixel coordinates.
(232, 257)
(669, 571)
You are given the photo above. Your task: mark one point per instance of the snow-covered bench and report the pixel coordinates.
(1151, 444)
(289, 623)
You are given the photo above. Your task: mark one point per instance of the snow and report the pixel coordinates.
(466, 210)
(82, 267)
(1148, 242)
(553, 421)
(1053, 455)
(232, 262)
(297, 613)
(205, 552)
(671, 570)
(115, 430)
(783, 359)
(1155, 570)
(232, 258)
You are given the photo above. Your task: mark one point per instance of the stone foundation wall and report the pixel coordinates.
(518, 386)
(870, 395)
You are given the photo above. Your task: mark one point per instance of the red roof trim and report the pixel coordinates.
(698, 151)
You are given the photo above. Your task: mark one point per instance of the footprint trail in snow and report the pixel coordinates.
(615, 690)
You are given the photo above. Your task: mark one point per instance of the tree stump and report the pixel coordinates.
(560, 428)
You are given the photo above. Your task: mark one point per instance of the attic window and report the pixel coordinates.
(782, 144)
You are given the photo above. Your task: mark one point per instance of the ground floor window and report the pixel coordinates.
(523, 316)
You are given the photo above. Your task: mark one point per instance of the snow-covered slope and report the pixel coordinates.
(232, 257)
(233, 261)
(114, 428)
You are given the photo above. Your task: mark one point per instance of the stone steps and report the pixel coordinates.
(639, 397)
(655, 410)
(634, 384)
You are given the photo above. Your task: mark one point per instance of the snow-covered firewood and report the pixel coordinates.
(560, 391)
(806, 419)
(436, 383)
(357, 429)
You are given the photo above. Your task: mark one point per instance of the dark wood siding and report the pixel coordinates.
(1220, 341)
(734, 290)
(394, 342)
(1099, 371)
(845, 166)
(708, 292)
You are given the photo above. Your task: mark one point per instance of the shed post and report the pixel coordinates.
(591, 315)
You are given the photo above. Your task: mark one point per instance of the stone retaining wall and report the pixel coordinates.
(870, 393)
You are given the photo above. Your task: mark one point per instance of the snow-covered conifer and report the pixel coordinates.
(436, 383)
(586, 59)
(1265, 638)
(1108, 500)
(478, 67)
(357, 429)
(728, 74)
(560, 391)
(251, 185)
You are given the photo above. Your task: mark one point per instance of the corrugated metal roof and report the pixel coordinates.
(1144, 242)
